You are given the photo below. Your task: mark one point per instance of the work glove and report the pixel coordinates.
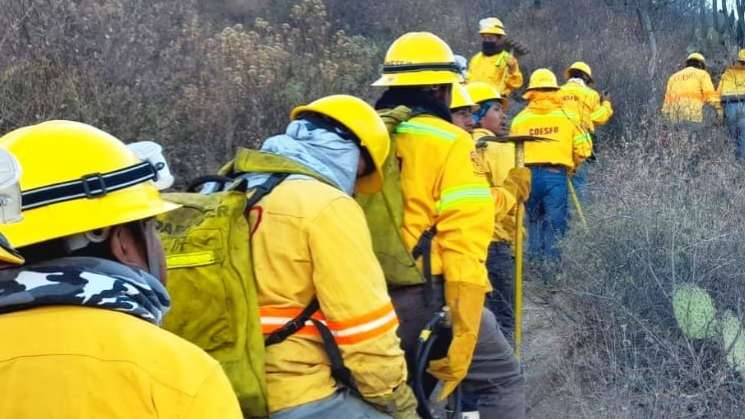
(466, 302)
(401, 404)
(512, 64)
(395, 116)
(517, 183)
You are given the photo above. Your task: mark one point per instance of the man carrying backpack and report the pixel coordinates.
(443, 211)
(311, 242)
(80, 318)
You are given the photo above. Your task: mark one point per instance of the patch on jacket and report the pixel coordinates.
(478, 164)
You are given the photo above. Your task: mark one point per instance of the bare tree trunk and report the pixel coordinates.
(715, 15)
(646, 23)
(702, 11)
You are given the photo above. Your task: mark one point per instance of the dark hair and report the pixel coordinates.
(574, 73)
(696, 63)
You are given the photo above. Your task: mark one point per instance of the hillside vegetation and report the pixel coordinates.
(205, 77)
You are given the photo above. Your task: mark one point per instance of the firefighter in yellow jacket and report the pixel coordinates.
(448, 209)
(593, 110)
(550, 162)
(494, 64)
(731, 92)
(80, 318)
(311, 241)
(499, 161)
(688, 91)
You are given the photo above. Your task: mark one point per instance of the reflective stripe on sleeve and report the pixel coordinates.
(582, 138)
(472, 193)
(348, 332)
(409, 127)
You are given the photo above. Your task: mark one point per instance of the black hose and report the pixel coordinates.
(423, 350)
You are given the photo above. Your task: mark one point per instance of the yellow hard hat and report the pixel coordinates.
(418, 59)
(696, 56)
(77, 178)
(580, 66)
(741, 55)
(481, 92)
(491, 25)
(543, 78)
(460, 97)
(362, 120)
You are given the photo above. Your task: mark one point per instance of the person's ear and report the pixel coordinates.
(127, 248)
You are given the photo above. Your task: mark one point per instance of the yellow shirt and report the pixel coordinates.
(545, 117)
(70, 362)
(732, 83)
(585, 102)
(687, 92)
(495, 71)
(312, 240)
(499, 159)
(443, 184)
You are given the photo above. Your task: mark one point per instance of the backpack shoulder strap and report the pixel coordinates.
(265, 188)
(338, 370)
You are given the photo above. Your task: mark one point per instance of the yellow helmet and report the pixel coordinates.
(741, 55)
(543, 78)
(77, 178)
(696, 56)
(460, 97)
(362, 120)
(579, 66)
(491, 25)
(481, 92)
(418, 59)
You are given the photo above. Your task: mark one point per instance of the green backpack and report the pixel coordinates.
(211, 278)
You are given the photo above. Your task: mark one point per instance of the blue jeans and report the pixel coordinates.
(548, 211)
(339, 405)
(734, 117)
(500, 263)
(579, 181)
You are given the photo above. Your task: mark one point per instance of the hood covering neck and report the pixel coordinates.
(417, 100)
(542, 101)
(577, 80)
(84, 281)
(323, 151)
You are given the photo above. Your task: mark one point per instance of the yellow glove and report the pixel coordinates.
(517, 183)
(395, 116)
(466, 302)
(401, 404)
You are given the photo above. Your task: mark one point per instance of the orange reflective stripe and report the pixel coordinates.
(308, 330)
(359, 329)
(367, 326)
(365, 318)
(370, 334)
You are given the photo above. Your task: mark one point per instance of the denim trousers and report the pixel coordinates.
(734, 117)
(548, 211)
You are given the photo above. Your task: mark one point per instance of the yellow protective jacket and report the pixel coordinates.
(545, 117)
(687, 92)
(585, 102)
(495, 71)
(732, 84)
(498, 159)
(311, 240)
(443, 184)
(70, 362)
